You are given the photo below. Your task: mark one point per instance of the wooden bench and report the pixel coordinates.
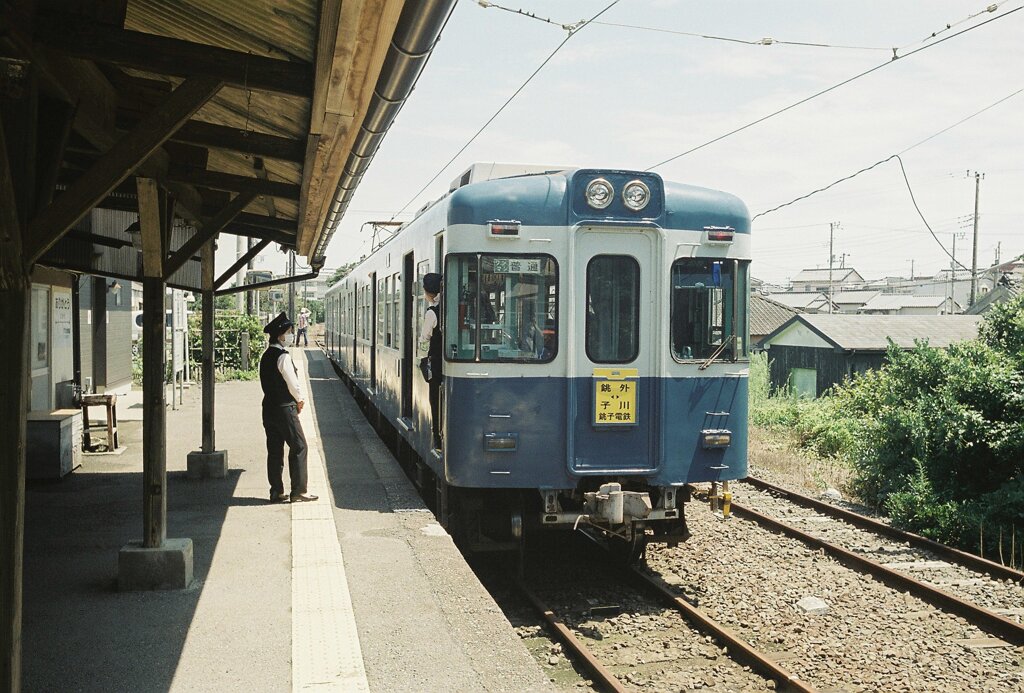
(109, 402)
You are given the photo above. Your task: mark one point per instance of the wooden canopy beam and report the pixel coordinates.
(231, 139)
(242, 261)
(118, 163)
(282, 238)
(217, 180)
(206, 233)
(171, 56)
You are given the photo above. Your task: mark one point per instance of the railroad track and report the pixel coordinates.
(818, 609)
(983, 592)
(630, 630)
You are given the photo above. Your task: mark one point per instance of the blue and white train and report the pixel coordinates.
(595, 330)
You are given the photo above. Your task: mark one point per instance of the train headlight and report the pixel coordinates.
(501, 442)
(636, 195)
(716, 438)
(599, 193)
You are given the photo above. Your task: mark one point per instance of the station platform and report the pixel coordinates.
(359, 591)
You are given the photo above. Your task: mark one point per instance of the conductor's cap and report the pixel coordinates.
(432, 283)
(278, 325)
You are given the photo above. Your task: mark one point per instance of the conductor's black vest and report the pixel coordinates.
(435, 351)
(275, 389)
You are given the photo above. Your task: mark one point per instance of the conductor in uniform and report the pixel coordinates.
(283, 401)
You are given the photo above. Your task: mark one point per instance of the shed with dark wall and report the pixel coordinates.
(812, 353)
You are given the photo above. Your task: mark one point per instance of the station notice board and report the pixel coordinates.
(615, 396)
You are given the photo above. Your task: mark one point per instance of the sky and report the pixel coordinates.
(626, 97)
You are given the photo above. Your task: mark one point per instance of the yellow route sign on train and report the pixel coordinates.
(615, 396)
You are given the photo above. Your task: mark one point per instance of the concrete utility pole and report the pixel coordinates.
(974, 256)
(952, 271)
(831, 241)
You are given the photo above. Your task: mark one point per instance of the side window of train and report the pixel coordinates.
(422, 268)
(396, 310)
(613, 309)
(709, 309)
(501, 307)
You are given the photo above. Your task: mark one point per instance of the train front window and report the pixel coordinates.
(709, 309)
(501, 308)
(613, 309)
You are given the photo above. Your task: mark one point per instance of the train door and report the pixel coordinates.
(373, 330)
(354, 314)
(408, 339)
(612, 388)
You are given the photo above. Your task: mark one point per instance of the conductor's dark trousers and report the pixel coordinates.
(281, 423)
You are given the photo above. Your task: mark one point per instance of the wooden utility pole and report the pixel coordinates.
(974, 256)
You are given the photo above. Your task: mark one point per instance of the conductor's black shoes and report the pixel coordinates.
(278, 498)
(303, 497)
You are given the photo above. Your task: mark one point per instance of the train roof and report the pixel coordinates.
(556, 199)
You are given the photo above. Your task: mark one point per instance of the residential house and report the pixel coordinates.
(820, 279)
(1001, 294)
(811, 353)
(852, 301)
(904, 304)
(804, 301)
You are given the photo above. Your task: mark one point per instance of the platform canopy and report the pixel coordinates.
(249, 118)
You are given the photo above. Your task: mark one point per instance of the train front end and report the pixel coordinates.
(596, 349)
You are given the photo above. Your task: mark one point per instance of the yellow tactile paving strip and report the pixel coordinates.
(326, 655)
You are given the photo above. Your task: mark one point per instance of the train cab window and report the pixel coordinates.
(613, 309)
(709, 309)
(501, 308)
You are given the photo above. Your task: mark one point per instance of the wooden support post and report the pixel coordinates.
(208, 231)
(14, 351)
(209, 377)
(154, 409)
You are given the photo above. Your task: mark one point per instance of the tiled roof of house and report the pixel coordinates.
(767, 315)
(872, 332)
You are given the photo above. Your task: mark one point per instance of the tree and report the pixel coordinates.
(340, 273)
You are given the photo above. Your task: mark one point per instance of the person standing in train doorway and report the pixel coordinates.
(283, 401)
(430, 343)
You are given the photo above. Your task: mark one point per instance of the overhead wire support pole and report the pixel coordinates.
(974, 255)
(831, 239)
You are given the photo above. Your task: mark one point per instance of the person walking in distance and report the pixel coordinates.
(283, 401)
(303, 328)
(430, 344)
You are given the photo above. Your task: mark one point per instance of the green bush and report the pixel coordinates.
(935, 437)
(227, 342)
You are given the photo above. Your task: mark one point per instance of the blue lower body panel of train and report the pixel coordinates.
(546, 435)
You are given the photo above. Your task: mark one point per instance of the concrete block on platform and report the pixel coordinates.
(168, 567)
(207, 464)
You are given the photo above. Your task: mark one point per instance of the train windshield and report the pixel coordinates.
(709, 309)
(613, 309)
(501, 308)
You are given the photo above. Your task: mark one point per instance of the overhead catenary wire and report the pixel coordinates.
(828, 89)
(504, 105)
(888, 158)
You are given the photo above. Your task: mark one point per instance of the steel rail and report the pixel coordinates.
(969, 560)
(605, 676)
(981, 617)
(738, 648)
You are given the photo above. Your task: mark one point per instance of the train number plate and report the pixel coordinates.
(615, 396)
